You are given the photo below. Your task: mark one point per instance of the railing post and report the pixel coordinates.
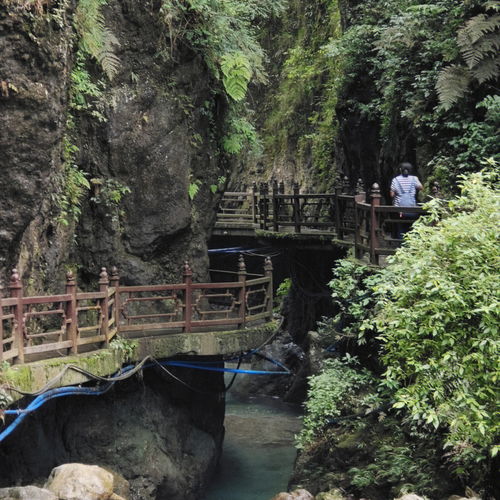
(103, 287)
(436, 190)
(114, 282)
(345, 185)
(276, 206)
(16, 290)
(242, 278)
(360, 186)
(357, 231)
(264, 198)
(71, 313)
(296, 207)
(338, 216)
(1, 322)
(254, 202)
(281, 187)
(188, 306)
(374, 222)
(268, 273)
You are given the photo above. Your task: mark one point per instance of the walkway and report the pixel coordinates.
(357, 220)
(54, 326)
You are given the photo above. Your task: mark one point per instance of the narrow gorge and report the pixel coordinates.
(125, 128)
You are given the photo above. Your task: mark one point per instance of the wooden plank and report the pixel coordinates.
(258, 281)
(149, 299)
(215, 322)
(33, 349)
(88, 328)
(151, 326)
(11, 353)
(45, 334)
(28, 314)
(150, 288)
(216, 286)
(393, 209)
(90, 296)
(255, 317)
(42, 300)
(91, 340)
(156, 315)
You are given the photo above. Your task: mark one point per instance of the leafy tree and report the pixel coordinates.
(439, 317)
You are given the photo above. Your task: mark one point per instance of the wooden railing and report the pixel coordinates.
(39, 327)
(357, 219)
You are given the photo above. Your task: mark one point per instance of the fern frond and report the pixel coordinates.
(476, 28)
(110, 63)
(95, 37)
(487, 46)
(237, 72)
(492, 5)
(488, 69)
(452, 84)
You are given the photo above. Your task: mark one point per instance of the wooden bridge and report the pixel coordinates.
(356, 219)
(48, 326)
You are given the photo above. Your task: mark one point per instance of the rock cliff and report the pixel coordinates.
(138, 143)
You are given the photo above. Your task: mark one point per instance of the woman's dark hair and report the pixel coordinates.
(406, 168)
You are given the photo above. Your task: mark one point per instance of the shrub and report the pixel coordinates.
(338, 389)
(439, 316)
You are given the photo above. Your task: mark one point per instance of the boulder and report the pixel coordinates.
(334, 494)
(26, 493)
(81, 482)
(294, 495)
(410, 496)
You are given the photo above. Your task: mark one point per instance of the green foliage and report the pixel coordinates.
(109, 194)
(73, 186)
(194, 188)
(338, 389)
(282, 292)
(438, 320)
(225, 34)
(479, 42)
(126, 346)
(240, 133)
(237, 73)
(96, 39)
(396, 52)
(303, 106)
(221, 181)
(399, 465)
(352, 293)
(83, 91)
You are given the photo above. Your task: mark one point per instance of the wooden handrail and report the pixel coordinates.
(47, 325)
(349, 218)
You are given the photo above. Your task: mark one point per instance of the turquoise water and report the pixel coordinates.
(258, 454)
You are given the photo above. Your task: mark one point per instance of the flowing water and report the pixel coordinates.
(258, 454)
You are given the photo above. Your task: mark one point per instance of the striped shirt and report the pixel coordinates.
(408, 184)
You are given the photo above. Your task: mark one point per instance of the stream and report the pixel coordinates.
(258, 453)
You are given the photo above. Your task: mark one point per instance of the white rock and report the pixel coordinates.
(81, 482)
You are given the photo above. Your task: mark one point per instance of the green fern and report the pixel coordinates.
(479, 43)
(96, 39)
(452, 84)
(237, 72)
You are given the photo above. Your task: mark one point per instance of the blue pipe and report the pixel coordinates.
(43, 398)
(225, 370)
(96, 391)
